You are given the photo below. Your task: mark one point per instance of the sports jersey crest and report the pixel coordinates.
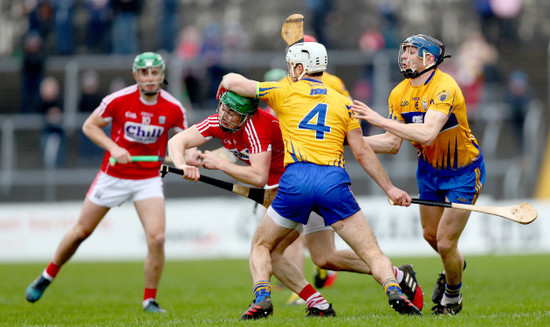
(442, 96)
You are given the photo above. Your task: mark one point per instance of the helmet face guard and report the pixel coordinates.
(425, 45)
(311, 55)
(234, 111)
(147, 61)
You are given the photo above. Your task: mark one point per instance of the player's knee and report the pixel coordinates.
(430, 237)
(81, 234)
(445, 246)
(323, 262)
(156, 240)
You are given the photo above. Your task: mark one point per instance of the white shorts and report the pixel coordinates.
(109, 191)
(316, 223)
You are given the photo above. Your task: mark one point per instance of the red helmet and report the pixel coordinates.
(309, 38)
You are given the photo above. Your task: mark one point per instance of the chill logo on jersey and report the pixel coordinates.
(413, 117)
(142, 133)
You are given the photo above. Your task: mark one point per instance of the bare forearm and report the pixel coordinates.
(176, 151)
(372, 166)
(381, 143)
(239, 84)
(419, 133)
(97, 135)
(244, 174)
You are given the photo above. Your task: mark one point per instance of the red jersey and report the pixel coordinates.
(141, 128)
(260, 133)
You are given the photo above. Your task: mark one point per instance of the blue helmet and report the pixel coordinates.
(425, 45)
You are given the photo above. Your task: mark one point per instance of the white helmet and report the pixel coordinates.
(312, 55)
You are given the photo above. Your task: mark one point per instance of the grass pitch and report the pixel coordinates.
(498, 291)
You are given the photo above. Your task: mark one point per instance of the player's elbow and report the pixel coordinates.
(172, 143)
(429, 135)
(86, 128)
(428, 139)
(260, 182)
(394, 145)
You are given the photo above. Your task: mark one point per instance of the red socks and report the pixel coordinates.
(52, 270)
(149, 293)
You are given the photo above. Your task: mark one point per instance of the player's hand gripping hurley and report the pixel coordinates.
(523, 213)
(260, 195)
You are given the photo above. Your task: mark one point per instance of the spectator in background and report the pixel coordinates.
(320, 10)
(125, 26)
(40, 17)
(98, 34)
(64, 38)
(32, 71)
(475, 59)
(53, 135)
(487, 19)
(362, 91)
(212, 51)
(189, 48)
(236, 38)
(499, 20)
(389, 24)
(168, 26)
(90, 98)
(506, 12)
(370, 42)
(518, 98)
(116, 84)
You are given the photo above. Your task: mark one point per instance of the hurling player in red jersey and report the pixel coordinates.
(255, 138)
(140, 117)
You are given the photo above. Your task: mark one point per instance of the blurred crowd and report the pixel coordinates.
(113, 27)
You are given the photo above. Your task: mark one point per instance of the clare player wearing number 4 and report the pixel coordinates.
(323, 277)
(254, 137)
(428, 109)
(141, 116)
(315, 122)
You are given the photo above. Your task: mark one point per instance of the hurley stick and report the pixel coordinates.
(293, 29)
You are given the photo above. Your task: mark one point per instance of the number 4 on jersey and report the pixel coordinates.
(320, 110)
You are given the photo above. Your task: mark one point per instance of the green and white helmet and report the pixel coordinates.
(235, 104)
(148, 60)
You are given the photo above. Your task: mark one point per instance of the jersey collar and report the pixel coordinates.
(429, 78)
(311, 80)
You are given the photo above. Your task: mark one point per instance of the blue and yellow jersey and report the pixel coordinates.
(455, 146)
(329, 80)
(314, 120)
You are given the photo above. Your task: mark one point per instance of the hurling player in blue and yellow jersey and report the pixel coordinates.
(328, 79)
(428, 109)
(315, 121)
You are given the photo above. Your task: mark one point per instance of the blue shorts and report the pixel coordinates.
(306, 187)
(460, 188)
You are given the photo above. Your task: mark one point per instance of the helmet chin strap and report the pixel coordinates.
(409, 73)
(149, 93)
